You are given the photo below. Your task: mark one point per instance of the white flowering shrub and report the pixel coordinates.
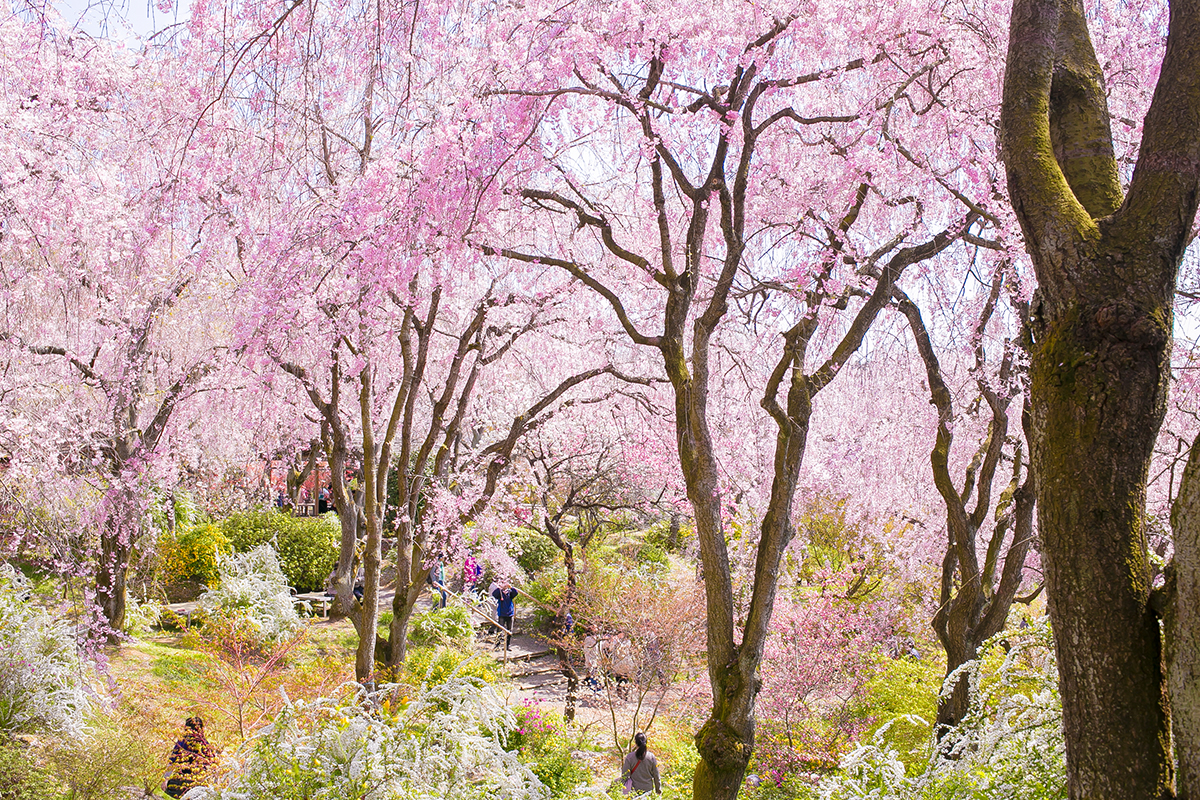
(254, 591)
(1009, 747)
(141, 615)
(41, 673)
(446, 743)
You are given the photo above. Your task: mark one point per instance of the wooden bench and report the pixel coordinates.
(315, 600)
(185, 610)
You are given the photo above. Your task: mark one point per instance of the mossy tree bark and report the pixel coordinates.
(1182, 630)
(1102, 327)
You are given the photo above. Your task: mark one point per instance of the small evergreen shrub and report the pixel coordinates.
(653, 557)
(307, 546)
(659, 534)
(546, 589)
(534, 552)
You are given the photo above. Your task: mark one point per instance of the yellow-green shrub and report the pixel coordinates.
(192, 555)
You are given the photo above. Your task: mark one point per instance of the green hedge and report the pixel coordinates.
(534, 552)
(307, 546)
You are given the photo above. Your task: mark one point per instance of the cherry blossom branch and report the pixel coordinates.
(499, 453)
(581, 274)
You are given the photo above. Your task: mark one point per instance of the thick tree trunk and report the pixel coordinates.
(118, 531)
(726, 740)
(1098, 393)
(1102, 327)
(410, 582)
(952, 709)
(111, 578)
(403, 604)
(364, 656)
(346, 569)
(1182, 629)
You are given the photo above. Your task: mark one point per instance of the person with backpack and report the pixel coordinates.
(639, 771)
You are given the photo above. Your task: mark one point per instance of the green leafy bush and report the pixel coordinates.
(192, 555)
(534, 552)
(546, 590)
(432, 666)
(659, 534)
(542, 743)
(904, 689)
(307, 546)
(448, 626)
(654, 557)
(169, 620)
(21, 777)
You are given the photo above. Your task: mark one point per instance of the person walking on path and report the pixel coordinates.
(437, 579)
(190, 759)
(639, 771)
(506, 609)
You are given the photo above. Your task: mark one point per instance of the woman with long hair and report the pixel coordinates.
(639, 771)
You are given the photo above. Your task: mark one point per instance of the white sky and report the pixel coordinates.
(124, 20)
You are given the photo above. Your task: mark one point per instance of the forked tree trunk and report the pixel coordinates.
(975, 597)
(410, 582)
(1102, 327)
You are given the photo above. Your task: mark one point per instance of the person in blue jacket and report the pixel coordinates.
(506, 609)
